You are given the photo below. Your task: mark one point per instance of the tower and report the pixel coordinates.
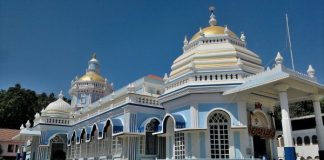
(90, 87)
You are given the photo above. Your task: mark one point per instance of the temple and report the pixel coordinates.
(217, 102)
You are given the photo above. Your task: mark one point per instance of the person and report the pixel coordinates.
(58, 155)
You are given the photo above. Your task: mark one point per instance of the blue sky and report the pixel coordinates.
(44, 44)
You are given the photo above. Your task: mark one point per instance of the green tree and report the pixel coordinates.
(17, 105)
(1, 150)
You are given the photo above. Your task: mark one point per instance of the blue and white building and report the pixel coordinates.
(216, 103)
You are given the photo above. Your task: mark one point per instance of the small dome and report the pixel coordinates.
(212, 31)
(92, 76)
(58, 108)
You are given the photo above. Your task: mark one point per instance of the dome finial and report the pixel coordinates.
(279, 59)
(61, 95)
(212, 20)
(94, 55)
(185, 41)
(243, 38)
(226, 30)
(311, 71)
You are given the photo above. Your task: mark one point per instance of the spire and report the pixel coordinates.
(243, 38)
(93, 64)
(27, 124)
(311, 71)
(94, 55)
(279, 59)
(61, 95)
(165, 77)
(185, 41)
(201, 32)
(226, 30)
(212, 20)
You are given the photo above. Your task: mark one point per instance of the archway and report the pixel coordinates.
(72, 147)
(174, 140)
(58, 146)
(107, 139)
(83, 138)
(218, 127)
(151, 141)
(93, 144)
(261, 130)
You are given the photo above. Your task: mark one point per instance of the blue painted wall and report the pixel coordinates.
(205, 108)
(237, 144)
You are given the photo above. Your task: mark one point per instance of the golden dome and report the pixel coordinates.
(92, 76)
(211, 31)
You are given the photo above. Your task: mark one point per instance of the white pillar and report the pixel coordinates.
(289, 150)
(319, 122)
(285, 118)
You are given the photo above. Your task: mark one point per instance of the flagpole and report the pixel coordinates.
(290, 49)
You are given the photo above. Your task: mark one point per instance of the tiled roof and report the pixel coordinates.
(7, 134)
(154, 77)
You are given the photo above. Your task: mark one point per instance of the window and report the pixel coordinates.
(116, 145)
(10, 148)
(306, 140)
(83, 98)
(151, 140)
(16, 149)
(179, 147)
(314, 139)
(142, 145)
(299, 141)
(218, 124)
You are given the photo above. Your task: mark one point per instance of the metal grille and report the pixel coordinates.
(179, 147)
(218, 130)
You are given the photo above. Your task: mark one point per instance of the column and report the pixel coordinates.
(289, 149)
(319, 125)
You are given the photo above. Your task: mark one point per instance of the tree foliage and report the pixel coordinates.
(17, 105)
(299, 109)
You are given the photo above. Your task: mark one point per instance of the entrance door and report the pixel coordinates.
(260, 148)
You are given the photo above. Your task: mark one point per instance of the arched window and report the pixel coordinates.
(218, 126)
(314, 139)
(151, 140)
(107, 138)
(176, 137)
(83, 139)
(93, 146)
(299, 141)
(306, 140)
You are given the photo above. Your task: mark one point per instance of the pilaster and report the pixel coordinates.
(289, 150)
(319, 124)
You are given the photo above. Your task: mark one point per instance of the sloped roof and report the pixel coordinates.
(7, 134)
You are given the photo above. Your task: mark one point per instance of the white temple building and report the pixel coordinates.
(216, 103)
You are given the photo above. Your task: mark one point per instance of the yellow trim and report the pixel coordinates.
(92, 76)
(212, 30)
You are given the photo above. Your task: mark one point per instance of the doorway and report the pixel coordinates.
(260, 148)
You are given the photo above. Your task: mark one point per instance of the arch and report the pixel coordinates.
(93, 132)
(219, 109)
(309, 157)
(314, 139)
(151, 145)
(165, 119)
(262, 117)
(83, 135)
(299, 141)
(58, 144)
(94, 126)
(51, 136)
(142, 127)
(218, 124)
(306, 140)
